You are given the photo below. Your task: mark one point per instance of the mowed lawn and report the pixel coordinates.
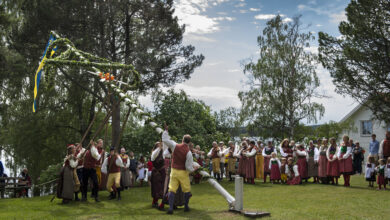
(308, 201)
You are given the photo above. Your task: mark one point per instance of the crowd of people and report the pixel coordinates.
(170, 167)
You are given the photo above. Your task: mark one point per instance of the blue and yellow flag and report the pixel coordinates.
(39, 70)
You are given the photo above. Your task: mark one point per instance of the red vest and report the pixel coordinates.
(81, 161)
(179, 156)
(99, 162)
(386, 148)
(114, 168)
(89, 161)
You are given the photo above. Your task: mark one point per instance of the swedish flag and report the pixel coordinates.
(39, 70)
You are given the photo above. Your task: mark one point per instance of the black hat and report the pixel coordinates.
(112, 148)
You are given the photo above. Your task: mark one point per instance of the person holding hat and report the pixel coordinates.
(182, 166)
(112, 165)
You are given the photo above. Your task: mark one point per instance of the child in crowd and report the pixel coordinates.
(387, 171)
(283, 175)
(381, 174)
(370, 171)
(292, 173)
(274, 166)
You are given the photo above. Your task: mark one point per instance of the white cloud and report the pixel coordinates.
(265, 16)
(242, 11)
(338, 17)
(286, 20)
(240, 5)
(254, 9)
(192, 14)
(224, 19)
(195, 37)
(312, 49)
(234, 70)
(318, 25)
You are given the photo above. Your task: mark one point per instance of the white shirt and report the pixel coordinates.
(369, 170)
(118, 162)
(172, 145)
(155, 154)
(295, 168)
(347, 154)
(95, 153)
(219, 154)
(316, 155)
(251, 153)
(264, 154)
(328, 154)
(274, 159)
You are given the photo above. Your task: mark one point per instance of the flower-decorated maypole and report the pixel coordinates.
(67, 55)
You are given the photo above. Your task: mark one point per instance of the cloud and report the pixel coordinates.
(287, 20)
(195, 37)
(254, 9)
(224, 19)
(234, 70)
(265, 16)
(240, 5)
(312, 49)
(242, 11)
(338, 17)
(318, 25)
(192, 14)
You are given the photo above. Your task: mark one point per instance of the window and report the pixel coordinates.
(366, 128)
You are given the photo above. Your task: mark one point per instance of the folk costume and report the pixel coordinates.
(312, 162)
(158, 177)
(293, 177)
(387, 172)
(112, 166)
(215, 155)
(384, 148)
(370, 172)
(89, 172)
(267, 151)
(250, 172)
(125, 172)
(182, 166)
(101, 178)
(283, 175)
(345, 162)
(259, 163)
(322, 164)
(332, 169)
(381, 169)
(231, 161)
(79, 170)
(301, 155)
(70, 180)
(286, 150)
(243, 161)
(274, 166)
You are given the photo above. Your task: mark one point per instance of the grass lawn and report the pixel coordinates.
(308, 201)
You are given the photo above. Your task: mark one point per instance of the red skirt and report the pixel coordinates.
(345, 165)
(266, 165)
(322, 165)
(333, 168)
(275, 172)
(381, 180)
(302, 167)
(250, 168)
(294, 181)
(242, 166)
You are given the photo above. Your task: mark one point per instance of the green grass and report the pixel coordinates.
(308, 201)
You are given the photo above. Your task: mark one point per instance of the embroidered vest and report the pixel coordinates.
(179, 156)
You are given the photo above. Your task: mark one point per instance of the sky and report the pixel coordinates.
(225, 32)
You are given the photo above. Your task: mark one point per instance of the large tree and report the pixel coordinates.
(144, 34)
(282, 82)
(359, 59)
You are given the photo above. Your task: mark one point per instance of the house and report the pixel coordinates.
(365, 126)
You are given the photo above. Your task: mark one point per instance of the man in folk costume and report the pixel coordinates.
(312, 162)
(112, 166)
(242, 160)
(182, 166)
(250, 172)
(345, 160)
(158, 176)
(286, 150)
(384, 147)
(231, 160)
(267, 151)
(215, 155)
(259, 160)
(99, 163)
(80, 165)
(91, 157)
(301, 155)
(70, 182)
(125, 172)
(222, 158)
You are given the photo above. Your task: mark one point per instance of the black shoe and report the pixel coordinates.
(84, 199)
(174, 207)
(119, 198)
(112, 196)
(170, 212)
(97, 199)
(187, 209)
(154, 205)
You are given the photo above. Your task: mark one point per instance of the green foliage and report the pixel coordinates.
(358, 60)
(328, 130)
(282, 82)
(228, 121)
